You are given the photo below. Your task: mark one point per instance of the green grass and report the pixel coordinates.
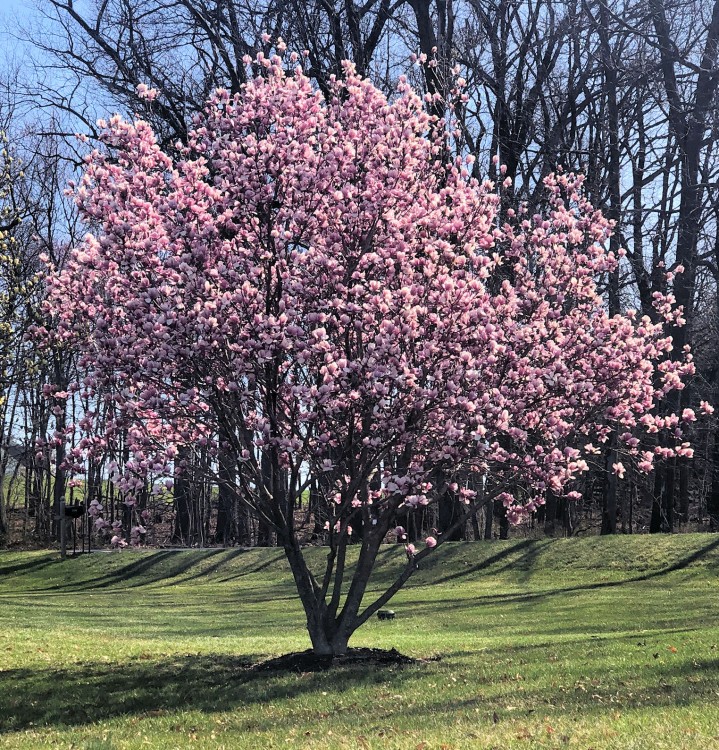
(582, 643)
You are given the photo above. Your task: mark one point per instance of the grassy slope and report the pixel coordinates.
(582, 643)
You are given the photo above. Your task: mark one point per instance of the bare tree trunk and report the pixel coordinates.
(609, 506)
(182, 527)
(317, 509)
(613, 211)
(488, 520)
(449, 509)
(225, 529)
(264, 530)
(684, 476)
(550, 514)
(713, 499)
(668, 498)
(687, 122)
(58, 493)
(568, 516)
(503, 523)
(655, 524)
(4, 530)
(476, 533)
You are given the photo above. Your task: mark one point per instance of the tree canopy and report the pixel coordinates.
(312, 287)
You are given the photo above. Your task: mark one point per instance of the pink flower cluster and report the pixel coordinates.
(312, 279)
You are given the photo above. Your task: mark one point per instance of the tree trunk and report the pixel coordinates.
(264, 534)
(126, 521)
(332, 609)
(655, 525)
(550, 514)
(264, 530)
(243, 525)
(3, 518)
(225, 530)
(449, 509)
(503, 523)
(713, 499)
(609, 506)
(567, 516)
(182, 530)
(476, 533)
(58, 489)
(668, 497)
(488, 520)
(684, 475)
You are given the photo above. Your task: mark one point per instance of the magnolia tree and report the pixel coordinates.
(311, 289)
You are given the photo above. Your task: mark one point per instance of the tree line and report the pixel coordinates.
(624, 93)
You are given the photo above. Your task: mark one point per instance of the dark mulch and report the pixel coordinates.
(307, 661)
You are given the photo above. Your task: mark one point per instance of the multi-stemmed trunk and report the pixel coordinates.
(329, 625)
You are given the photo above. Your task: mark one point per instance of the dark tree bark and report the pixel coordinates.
(609, 505)
(488, 521)
(225, 529)
(550, 514)
(688, 123)
(183, 527)
(264, 528)
(713, 499)
(655, 524)
(449, 509)
(503, 522)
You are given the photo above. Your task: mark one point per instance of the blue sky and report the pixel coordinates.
(16, 7)
(12, 13)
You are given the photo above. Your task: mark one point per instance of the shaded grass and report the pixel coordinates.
(591, 643)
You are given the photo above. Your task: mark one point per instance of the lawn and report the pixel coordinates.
(582, 643)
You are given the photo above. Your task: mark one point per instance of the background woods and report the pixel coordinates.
(623, 92)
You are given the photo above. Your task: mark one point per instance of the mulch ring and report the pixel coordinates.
(307, 661)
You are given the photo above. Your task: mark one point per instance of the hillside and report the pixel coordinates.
(594, 642)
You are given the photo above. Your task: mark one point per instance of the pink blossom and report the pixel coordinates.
(306, 275)
(431, 542)
(145, 92)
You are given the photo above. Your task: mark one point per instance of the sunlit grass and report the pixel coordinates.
(591, 643)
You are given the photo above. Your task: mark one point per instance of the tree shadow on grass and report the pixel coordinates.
(542, 594)
(597, 691)
(160, 567)
(27, 566)
(255, 569)
(154, 568)
(87, 692)
(529, 547)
